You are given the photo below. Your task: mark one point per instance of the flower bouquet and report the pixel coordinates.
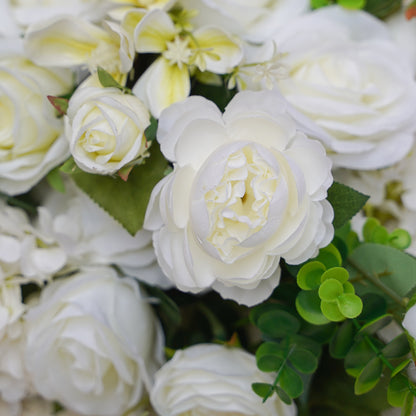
(207, 207)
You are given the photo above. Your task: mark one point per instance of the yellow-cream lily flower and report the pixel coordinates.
(166, 81)
(119, 12)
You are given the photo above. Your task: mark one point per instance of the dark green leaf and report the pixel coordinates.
(397, 390)
(303, 360)
(308, 305)
(262, 389)
(291, 382)
(270, 356)
(270, 348)
(283, 395)
(346, 202)
(261, 309)
(126, 201)
(369, 376)
(382, 8)
(358, 357)
(375, 325)
(150, 132)
(342, 340)
(373, 306)
(396, 348)
(278, 324)
(319, 333)
(55, 180)
(269, 363)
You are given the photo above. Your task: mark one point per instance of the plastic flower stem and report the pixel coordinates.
(375, 280)
(279, 371)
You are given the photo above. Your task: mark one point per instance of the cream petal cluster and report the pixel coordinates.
(89, 236)
(105, 128)
(208, 379)
(350, 77)
(254, 20)
(31, 137)
(167, 80)
(247, 188)
(93, 343)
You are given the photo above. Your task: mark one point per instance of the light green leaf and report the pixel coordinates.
(55, 180)
(329, 256)
(331, 311)
(338, 273)
(308, 305)
(369, 376)
(309, 276)
(126, 201)
(408, 405)
(397, 390)
(352, 4)
(346, 202)
(107, 80)
(401, 367)
(330, 290)
(350, 305)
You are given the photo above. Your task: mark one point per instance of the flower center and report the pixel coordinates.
(178, 52)
(238, 206)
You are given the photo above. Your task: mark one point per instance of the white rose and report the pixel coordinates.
(89, 236)
(105, 129)
(209, 379)
(31, 140)
(93, 343)
(347, 75)
(247, 188)
(254, 20)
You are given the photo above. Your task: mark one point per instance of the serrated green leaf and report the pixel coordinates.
(397, 348)
(375, 325)
(369, 376)
(308, 306)
(397, 390)
(291, 382)
(329, 256)
(349, 305)
(346, 202)
(278, 324)
(330, 290)
(107, 80)
(303, 360)
(55, 180)
(395, 269)
(262, 389)
(342, 340)
(331, 311)
(127, 201)
(338, 273)
(309, 276)
(283, 395)
(357, 358)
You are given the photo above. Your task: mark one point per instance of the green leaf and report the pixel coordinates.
(397, 390)
(401, 367)
(346, 202)
(369, 376)
(308, 305)
(283, 395)
(60, 104)
(151, 130)
(262, 389)
(373, 306)
(126, 201)
(316, 4)
(270, 356)
(350, 305)
(358, 357)
(338, 273)
(330, 290)
(352, 4)
(309, 276)
(397, 348)
(329, 256)
(394, 269)
(107, 80)
(331, 311)
(400, 239)
(322, 334)
(383, 8)
(408, 405)
(342, 340)
(291, 382)
(70, 167)
(55, 180)
(259, 310)
(278, 324)
(303, 360)
(375, 325)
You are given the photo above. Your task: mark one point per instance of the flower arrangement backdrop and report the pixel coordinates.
(207, 207)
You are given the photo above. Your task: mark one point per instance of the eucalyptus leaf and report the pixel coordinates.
(343, 340)
(127, 201)
(369, 376)
(352, 4)
(397, 348)
(269, 363)
(278, 324)
(283, 395)
(291, 382)
(261, 389)
(309, 276)
(346, 202)
(350, 305)
(55, 180)
(329, 256)
(331, 311)
(308, 305)
(303, 360)
(358, 357)
(408, 405)
(397, 390)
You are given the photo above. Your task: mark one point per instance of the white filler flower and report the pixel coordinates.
(247, 188)
(93, 343)
(213, 380)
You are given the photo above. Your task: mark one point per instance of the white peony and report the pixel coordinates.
(31, 139)
(254, 20)
(347, 74)
(247, 189)
(89, 236)
(214, 380)
(105, 128)
(93, 343)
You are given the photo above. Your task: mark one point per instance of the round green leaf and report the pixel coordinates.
(397, 390)
(330, 290)
(283, 395)
(269, 363)
(357, 358)
(338, 273)
(329, 256)
(331, 311)
(350, 305)
(348, 288)
(380, 235)
(400, 239)
(262, 389)
(308, 305)
(309, 276)
(368, 229)
(291, 382)
(373, 306)
(278, 323)
(352, 4)
(342, 340)
(397, 348)
(270, 348)
(369, 376)
(303, 360)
